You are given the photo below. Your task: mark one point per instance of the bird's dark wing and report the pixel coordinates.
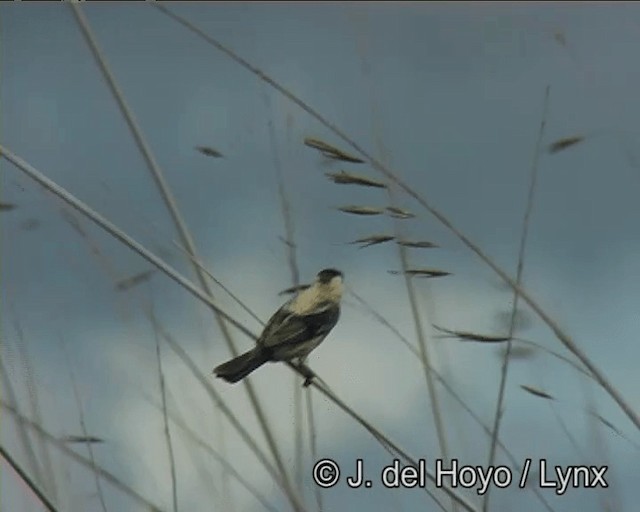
(286, 328)
(277, 326)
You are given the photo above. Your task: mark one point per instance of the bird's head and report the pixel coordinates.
(330, 281)
(327, 288)
(325, 276)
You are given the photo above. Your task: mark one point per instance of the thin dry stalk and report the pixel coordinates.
(224, 288)
(207, 480)
(468, 336)
(87, 439)
(612, 427)
(206, 299)
(313, 444)
(572, 439)
(226, 488)
(172, 207)
(194, 438)
(287, 219)
(32, 390)
(60, 445)
(512, 459)
(610, 501)
(564, 338)
(376, 314)
(226, 493)
(425, 356)
(95, 250)
(224, 408)
(120, 235)
(389, 445)
(27, 480)
(285, 204)
(137, 247)
(9, 392)
(311, 421)
(167, 430)
(523, 244)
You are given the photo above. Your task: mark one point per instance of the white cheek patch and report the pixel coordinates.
(305, 302)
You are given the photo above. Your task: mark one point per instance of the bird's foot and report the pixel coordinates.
(307, 373)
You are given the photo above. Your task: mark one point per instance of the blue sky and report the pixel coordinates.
(450, 96)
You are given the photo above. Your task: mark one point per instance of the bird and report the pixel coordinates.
(298, 327)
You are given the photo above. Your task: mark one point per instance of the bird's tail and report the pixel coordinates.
(239, 367)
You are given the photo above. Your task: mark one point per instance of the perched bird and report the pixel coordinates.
(298, 327)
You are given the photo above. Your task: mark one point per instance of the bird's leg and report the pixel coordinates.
(306, 372)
